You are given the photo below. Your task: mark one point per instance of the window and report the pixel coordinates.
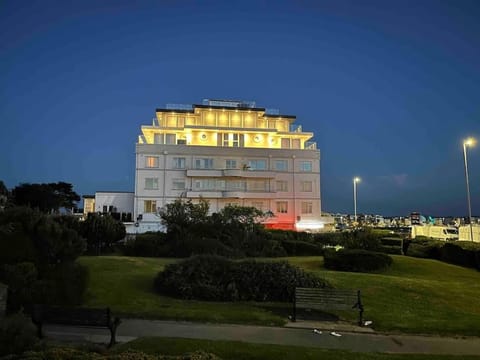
(306, 186)
(306, 166)
(285, 143)
(170, 139)
(257, 164)
(203, 163)
(151, 161)
(258, 205)
(282, 185)
(231, 164)
(178, 184)
(281, 165)
(150, 206)
(235, 142)
(179, 163)
(257, 185)
(307, 207)
(225, 139)
(151, 183)
(282, 207)
(236, 185)
(209, 184)
(295, 143)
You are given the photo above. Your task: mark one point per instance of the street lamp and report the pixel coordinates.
(355, 181)
(468, 142)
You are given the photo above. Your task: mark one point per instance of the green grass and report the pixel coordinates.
(248, 351)
(125, 284)
(413, 296)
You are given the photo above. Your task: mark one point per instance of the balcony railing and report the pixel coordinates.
(310, 145)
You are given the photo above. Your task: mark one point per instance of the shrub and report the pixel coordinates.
(17, 334)
(461, 253)
(69, 282)
(147, 245)
(216, 278)
(356, 260)
(301, 248)
(391, 245)
(424, 247)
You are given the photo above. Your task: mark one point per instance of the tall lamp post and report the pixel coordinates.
(355, 181)
(466, 143)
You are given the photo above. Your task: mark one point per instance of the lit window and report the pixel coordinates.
(281, 165)
(259, 164)
(235, 142)
(151, 183)
(150, 206)
(203, 163)
(307, 207)
(151, 161)
(282, 207)
(225, 139)
(178, 184)
(306, 166)
(231, 164)
(179, 163)
(282, 185)
(306, 186)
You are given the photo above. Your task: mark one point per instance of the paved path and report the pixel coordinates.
(357, 342)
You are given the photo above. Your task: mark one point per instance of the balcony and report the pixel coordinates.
(238, 194)
(258, 174)
(310, 145)
(204, 173)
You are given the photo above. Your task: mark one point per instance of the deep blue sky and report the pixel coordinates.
(390, 88)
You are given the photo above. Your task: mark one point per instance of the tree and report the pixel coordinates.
(45, 197)
(101, 231)
(29, 235)
(3, 195)
(184, 222)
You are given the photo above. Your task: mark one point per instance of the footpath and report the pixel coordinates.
(326, 335)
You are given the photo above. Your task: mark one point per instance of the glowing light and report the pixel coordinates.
(469, 142)
(356, 179)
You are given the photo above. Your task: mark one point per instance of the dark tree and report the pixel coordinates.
(45, 197)
(101, 231)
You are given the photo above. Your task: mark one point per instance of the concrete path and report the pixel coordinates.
(353, 341)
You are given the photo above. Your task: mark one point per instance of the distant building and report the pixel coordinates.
(116, 203)
(229, 152)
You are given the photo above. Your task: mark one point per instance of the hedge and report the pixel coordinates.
(215, 278)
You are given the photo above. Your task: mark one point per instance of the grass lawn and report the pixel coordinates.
(413, 296)
(247, 351)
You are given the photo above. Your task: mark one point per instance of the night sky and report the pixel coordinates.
(389, 88)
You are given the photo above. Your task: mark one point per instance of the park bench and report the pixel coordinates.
(83, 317)
(327, 299)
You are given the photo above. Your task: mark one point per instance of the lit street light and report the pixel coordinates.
(468, 142)
(355, 181)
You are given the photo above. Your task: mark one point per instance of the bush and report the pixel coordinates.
(147, 245)
(66, 284)
(461, 253)
(216, 278)
(424, 247)
(301, 248)
(356, 260)
(17, 334)
(391, 245)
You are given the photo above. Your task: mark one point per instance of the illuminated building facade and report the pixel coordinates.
(229, 152)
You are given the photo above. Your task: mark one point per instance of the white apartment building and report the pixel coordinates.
(229, 152)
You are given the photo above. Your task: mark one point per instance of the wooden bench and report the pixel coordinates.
(327, 299)
(84, 317)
